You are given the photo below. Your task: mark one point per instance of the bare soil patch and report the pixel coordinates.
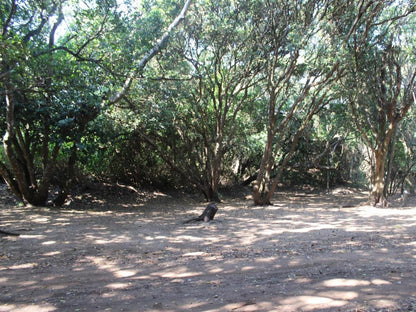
(131, 252)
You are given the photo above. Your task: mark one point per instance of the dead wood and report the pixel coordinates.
(207, 215)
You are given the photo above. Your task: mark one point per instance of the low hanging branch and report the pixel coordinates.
(155, 50)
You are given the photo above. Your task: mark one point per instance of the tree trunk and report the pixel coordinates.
(20, 175)
(210, 193)
(64, 191)
(378, 187)
(380, 156)
(390, 159)
(260, 187)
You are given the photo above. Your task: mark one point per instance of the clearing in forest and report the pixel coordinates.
(132, 252)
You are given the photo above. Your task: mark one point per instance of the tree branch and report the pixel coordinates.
(9, 18)
(155, 50)
(43, 22)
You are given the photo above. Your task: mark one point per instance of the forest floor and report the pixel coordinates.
(116, 250)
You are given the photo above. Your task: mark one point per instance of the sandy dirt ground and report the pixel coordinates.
(126, 251)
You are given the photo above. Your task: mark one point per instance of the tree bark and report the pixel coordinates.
(378, 187)
(380, 156)
(389, 164)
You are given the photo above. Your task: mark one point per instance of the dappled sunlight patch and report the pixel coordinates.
(340, 295)
(192, 238)
(56, 286)
(160, 237)
(103, 264)
(194, 254)
(371, 211)
(352, 283)
(380, 303)
(51, 242)
(216, 270)
(27, 283)
(310, 303)
(27, 308)
(52, 253)
(301, 280)
(276, 206)
(379, 282)
(268, 232)
(307, 227)
(179, 272)
(34, 236)
(63, 219)
(110, 240)
(40, 219)
(193, 306)
(22, 266)
(125, 273)
(343, 282)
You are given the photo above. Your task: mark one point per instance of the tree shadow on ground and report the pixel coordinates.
(305, 253)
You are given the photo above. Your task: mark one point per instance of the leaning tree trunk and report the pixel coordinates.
(388, 183)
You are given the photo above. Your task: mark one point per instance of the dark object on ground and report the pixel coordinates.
(207, 215)
(8, 233)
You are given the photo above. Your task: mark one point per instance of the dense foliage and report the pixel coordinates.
(261, 93)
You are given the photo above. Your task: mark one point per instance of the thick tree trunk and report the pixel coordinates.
(378, 187)
(380, 156)
(211, 193)
(260, 188)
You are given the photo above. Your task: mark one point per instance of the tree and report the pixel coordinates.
(299, 55)
(381, 104)
(197, 116)
(379, 88)
(52, 91)
(46, 104)
(297, 78)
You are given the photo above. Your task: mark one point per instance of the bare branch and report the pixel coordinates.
(9, 18)
(155, 50)
(37, 30)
